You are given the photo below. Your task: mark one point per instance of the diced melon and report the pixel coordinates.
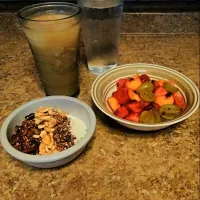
(134, 84)
(113, 103)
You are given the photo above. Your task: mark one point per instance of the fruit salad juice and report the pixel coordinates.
(54, 42)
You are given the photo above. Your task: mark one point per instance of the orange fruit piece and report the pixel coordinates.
(113, 103)
(134, 84)
(163, 100)
(133, 95)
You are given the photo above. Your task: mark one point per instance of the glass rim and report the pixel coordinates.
(20, 12)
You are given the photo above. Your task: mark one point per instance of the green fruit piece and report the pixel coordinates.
(146, 117)
(147, 95)
(146, 85)
(157, 118)
(169, 111)
(169, 87)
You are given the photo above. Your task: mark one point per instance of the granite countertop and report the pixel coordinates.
(118, 163)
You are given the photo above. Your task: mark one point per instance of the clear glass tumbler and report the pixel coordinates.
(53, 33)
(101, 33)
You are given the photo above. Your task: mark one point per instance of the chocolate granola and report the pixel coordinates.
(44, 132)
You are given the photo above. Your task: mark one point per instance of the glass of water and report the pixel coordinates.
(101, 33)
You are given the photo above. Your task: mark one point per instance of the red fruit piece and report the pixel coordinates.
(134, 117)
(144, 78)
(145, 103)
(121, 82)
(155, 105)
(160, 91)
(148, 106)
(179, 100)
(151, 106)
(121, 95)
(121, 112)
(136, 107)
(158, 83)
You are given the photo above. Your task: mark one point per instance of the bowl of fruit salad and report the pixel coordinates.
(144, 96)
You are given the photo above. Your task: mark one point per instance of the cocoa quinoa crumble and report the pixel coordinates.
(44, 132)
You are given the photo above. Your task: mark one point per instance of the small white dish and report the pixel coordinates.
(69, 105)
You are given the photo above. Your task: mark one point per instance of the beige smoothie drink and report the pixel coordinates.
(54, 41)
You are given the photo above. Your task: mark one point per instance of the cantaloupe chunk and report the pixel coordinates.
(163, 100)
(133, 95)
(135, 76)
(113, 103)
(134, 84)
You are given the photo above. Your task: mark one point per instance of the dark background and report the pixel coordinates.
(129, 5)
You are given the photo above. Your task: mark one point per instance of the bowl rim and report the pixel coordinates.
(52, 157)
(146, 65)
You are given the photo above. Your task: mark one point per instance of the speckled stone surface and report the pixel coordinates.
(118, 163)
(160, 23)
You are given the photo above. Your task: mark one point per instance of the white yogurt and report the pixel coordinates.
(78, 127)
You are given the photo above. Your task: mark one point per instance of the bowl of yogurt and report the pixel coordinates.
(48, 132)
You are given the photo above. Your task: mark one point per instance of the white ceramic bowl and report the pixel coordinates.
(69, 105)
(105, 85)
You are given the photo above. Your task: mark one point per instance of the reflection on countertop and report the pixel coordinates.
(118, 163)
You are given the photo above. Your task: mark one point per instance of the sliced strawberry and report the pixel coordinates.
(121, 82)
(179, 100)
(121, 112)
(144, 78)
(160, 91)
(122, 96)
(136, 107)
(134, 117)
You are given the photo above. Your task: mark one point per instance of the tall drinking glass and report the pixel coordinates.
(53, 33)
(101, 33)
